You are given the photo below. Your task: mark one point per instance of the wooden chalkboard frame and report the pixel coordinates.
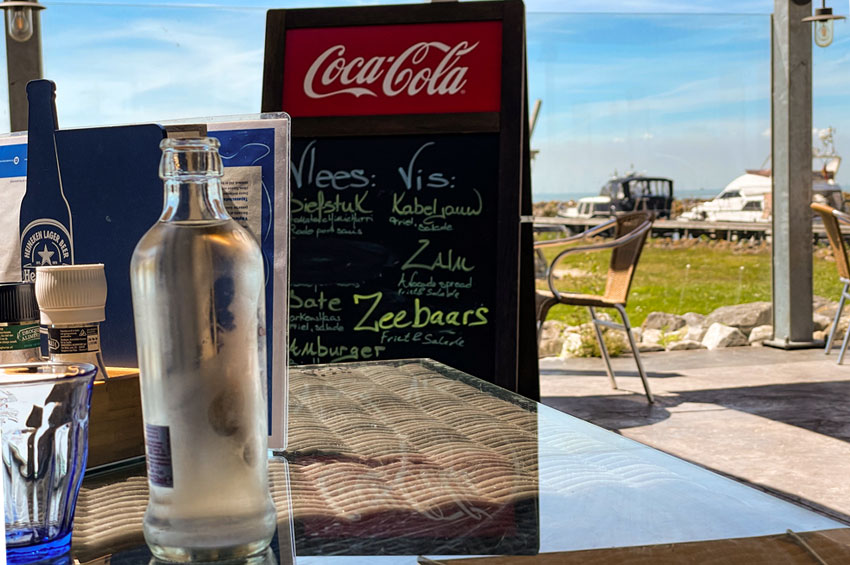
(514, 351)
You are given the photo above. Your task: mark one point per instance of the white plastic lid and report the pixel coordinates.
(70, 294)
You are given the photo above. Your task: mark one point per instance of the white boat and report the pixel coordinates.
(748, 197)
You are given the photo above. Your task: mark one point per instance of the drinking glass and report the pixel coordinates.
(44, 414)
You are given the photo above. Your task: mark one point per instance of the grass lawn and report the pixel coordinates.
(686, 276)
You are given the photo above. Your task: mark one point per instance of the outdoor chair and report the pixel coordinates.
(630, 233)
(832, 220)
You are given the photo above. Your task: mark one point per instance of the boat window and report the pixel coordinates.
(612, 189)
(752, 205)
(731, 194)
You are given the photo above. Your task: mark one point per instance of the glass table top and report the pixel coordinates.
(390, 461)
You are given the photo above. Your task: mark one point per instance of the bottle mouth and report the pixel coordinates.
(190, 158)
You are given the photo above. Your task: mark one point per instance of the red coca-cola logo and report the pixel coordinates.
(400, 69)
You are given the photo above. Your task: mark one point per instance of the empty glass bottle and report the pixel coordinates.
(198, 301)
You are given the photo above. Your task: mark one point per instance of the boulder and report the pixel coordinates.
(819, 303)
(693, 319)
(684, 344)
(552, 329)
(637, 333)
(761, 333)
(649, 347)
(663, 321)
(695, 333)
(821, 322)
(651, 336)
(819, 335)
(744, 317)
(572, 344)
(720, 335)
(550, 347)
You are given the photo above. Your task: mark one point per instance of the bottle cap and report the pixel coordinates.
(17, 303)
(70, 294)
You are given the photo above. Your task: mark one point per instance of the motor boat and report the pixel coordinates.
(748, 197)
(625, 194)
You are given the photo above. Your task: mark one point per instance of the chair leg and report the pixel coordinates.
(635, 352)
(837, 317)
(843, 346)
(542, 312)
(602, 348)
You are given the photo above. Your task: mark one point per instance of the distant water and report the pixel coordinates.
(702, 193)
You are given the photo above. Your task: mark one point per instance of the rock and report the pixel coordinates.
(693, 319)
(684, 344)
(637, 333)
(552, 329)
(695, 333)
(651, 336)
(842, 328)
(648, 347)
(819, 302)
(819, 335)
(663, 321)
(551, 347)
(551, 340)
(744, 317)
(761, 333)
(720, 335)
(830, 307)
(572, 344)
(821, 322)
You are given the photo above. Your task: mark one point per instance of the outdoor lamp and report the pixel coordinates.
(19, 17)
(823, 19)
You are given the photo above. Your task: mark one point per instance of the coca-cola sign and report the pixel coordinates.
(393, 69)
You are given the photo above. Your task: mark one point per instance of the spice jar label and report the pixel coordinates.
(73, 340)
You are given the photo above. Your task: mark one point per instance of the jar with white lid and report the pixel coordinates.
(72, 300)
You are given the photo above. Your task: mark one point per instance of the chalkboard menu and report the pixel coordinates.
(407, 179)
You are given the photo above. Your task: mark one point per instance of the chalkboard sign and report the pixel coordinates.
(408, 159)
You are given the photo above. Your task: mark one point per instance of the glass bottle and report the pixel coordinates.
(198, 301)
(72, 300)
(45, 218)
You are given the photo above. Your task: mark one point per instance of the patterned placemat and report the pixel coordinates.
(383, 459)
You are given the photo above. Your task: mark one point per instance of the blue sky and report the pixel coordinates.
(679, 89)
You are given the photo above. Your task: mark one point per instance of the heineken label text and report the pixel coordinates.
(44, 242)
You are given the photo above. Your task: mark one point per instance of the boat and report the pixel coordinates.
(625, 194)
(748, 197)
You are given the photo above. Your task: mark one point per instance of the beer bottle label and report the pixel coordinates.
(44, 241)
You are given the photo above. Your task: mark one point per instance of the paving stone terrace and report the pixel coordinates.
(774, 419)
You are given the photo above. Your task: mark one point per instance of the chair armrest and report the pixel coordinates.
(842, 217)
(604, 226)
(636, 233)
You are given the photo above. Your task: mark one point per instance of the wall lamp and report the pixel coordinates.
(823, 19)
(19, 17)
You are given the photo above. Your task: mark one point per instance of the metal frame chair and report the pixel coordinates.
(630, 232)
(832, 220)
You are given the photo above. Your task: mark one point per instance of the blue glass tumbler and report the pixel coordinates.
(44, 415)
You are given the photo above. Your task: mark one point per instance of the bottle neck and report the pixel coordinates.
(193, 199)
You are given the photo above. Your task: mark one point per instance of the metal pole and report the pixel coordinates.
(791, 158)
(23, 64)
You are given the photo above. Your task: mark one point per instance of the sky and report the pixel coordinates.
(677, 89)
